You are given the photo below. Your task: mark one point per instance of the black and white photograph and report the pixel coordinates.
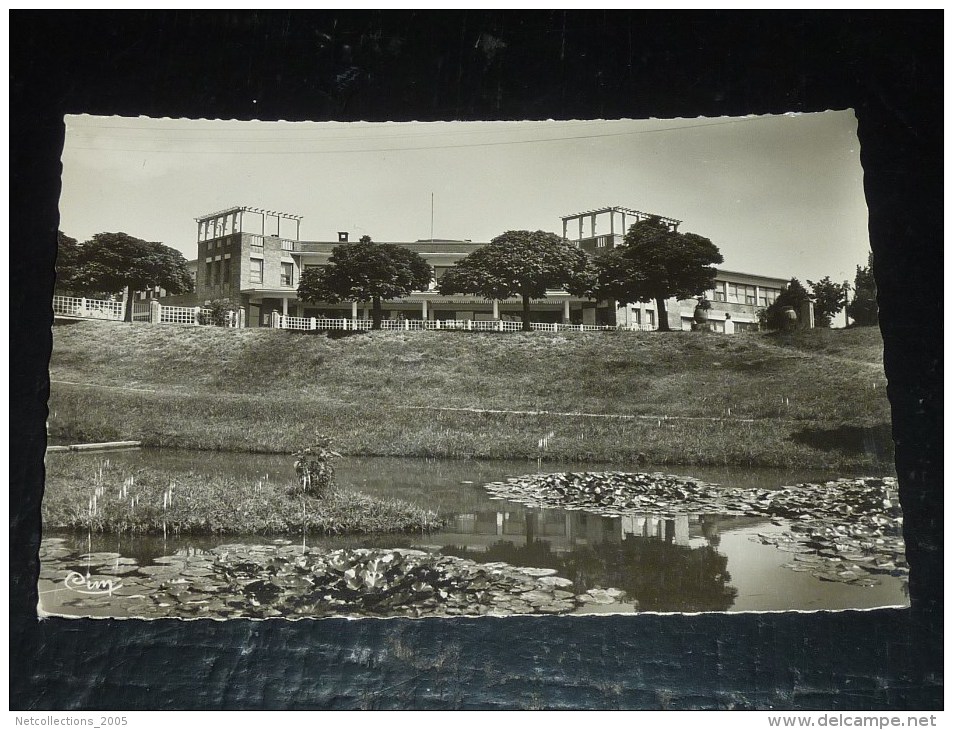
(459, 369)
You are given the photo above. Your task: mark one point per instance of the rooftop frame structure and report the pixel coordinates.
(612, 212)
(232, 220)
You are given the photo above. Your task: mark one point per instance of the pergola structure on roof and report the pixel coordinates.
(232, 220)
(613, 212)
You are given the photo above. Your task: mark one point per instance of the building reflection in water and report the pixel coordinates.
(564, 530)
(666, 563)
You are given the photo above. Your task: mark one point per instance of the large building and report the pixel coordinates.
(255, 258)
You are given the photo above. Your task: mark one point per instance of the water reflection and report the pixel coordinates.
(665, 563)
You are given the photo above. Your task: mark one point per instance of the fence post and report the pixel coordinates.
(197, 314)
(82, 307)
(241, 318)
(314, 323)
(155, 311)
(469, 324)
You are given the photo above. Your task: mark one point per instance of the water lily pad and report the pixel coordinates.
(100, 556)
(117, 570)
(538, 572)
(158, 570)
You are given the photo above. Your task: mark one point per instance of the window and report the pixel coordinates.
(650, 317)
(227, 272)
(208, 273)
(287, 274)
(217, 273)
(256, 274)
(768, 296)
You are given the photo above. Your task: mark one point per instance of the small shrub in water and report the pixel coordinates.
(314, 468)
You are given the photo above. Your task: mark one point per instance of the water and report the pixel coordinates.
(662, 563)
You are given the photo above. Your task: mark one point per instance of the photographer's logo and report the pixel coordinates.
(89, 586)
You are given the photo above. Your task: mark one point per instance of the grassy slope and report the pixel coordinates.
(817, 399)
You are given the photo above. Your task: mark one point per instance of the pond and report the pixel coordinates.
(580, 562)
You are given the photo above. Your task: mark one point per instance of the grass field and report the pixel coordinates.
(814, 399)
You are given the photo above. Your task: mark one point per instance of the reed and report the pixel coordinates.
(152, 502)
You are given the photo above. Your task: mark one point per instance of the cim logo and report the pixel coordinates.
(79, 583)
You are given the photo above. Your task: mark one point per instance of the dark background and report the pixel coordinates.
(493, 65)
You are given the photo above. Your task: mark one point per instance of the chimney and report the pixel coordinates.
(342, 236)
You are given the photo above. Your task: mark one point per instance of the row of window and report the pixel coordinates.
(258, 242)
(256, 274)
(649, 317)
(736, 293)
(742, 294)
(219, 244)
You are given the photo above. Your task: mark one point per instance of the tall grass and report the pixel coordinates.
(113, 499)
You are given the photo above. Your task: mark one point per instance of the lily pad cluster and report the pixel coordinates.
(264, 581)
(612, 494)
(846, 530)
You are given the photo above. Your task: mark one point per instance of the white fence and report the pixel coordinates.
(142, 311)
(87, 308)
(279, 321)
(165, 314)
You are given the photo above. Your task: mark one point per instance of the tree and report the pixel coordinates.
(518, 264)
(67, 259)
(111, 262)
(829, 299)
(366, 271)
(863, 308)
(656, 263)
(793, 295)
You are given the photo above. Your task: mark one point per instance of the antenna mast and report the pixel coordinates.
(431, 217)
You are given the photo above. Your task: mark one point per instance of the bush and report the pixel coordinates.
(219, 313)
(314, 468)
(793, 295)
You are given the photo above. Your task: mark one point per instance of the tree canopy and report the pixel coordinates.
(67, 258)
(655, 263)
(828, 297)
(110, 262)
(366, 271)
(863, 307)
(793, 295)
(521, 264)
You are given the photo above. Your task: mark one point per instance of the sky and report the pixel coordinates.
(779, 195)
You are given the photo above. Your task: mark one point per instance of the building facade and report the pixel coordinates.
(255, 258)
